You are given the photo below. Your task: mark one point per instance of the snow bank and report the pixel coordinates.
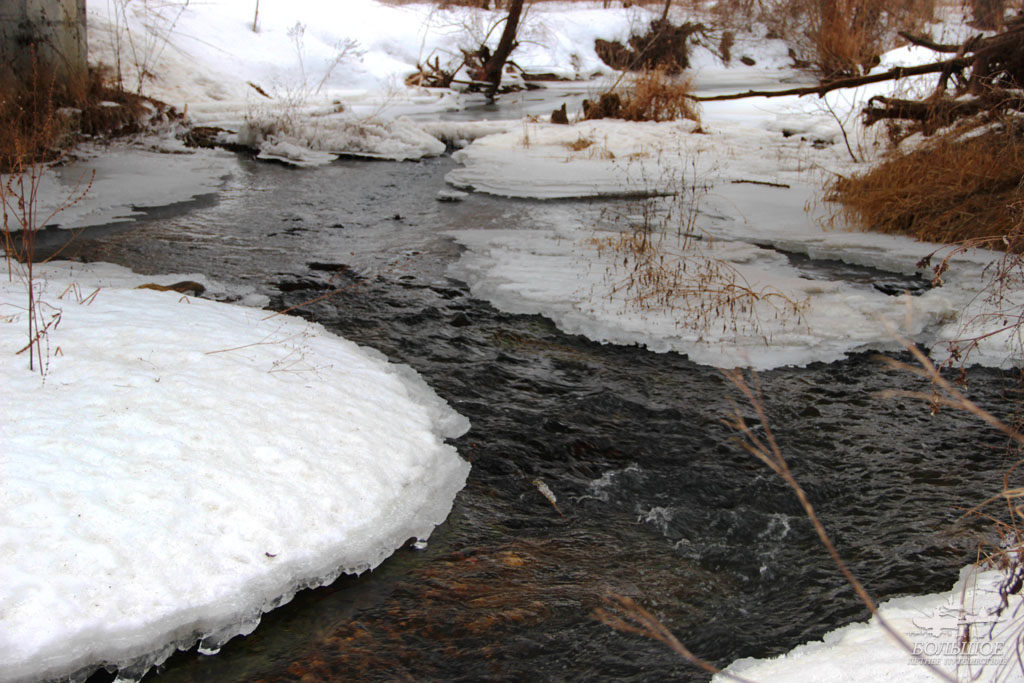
(206, 52)
(214, 61)
(188, 465)
(589, 159)
(931, 624)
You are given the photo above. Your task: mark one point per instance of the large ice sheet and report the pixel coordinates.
(564, 275)
(187, 465)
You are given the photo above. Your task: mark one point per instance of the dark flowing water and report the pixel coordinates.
(654, 499)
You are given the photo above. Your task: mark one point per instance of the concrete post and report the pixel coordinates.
(53, 31)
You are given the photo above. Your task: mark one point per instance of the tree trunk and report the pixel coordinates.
(496, 64)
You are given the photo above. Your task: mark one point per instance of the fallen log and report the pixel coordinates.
(939, 112)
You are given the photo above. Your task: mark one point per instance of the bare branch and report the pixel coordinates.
(769, 453)
(853, 82)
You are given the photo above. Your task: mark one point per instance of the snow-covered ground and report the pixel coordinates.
(317, 79)
(187, 465)
(962, 633)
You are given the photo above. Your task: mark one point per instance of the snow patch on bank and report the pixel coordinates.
(589, 159)
(222, 67)
(933, 625)
(187, 465)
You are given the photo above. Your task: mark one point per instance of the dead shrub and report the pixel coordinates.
(652, 96)
(42, 116)
(29, 117)
(39, 131)
(988, 14)
(846, 36)
(656, 96)
(664, 47)
(957, 186)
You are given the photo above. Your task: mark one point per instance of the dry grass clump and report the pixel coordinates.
(952, 188)
(845, 35)
(664, 262)
(30, 121)
(656, 96)
(679, 273)
(43, 115)
(651, 96)
(579, 144)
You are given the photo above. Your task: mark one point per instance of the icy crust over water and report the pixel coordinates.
(565, 276)
(119, 182)
(933, 625)
(188, 465)
(320, 140)
(748, 192)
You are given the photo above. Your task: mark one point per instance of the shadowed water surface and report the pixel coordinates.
(654, 499)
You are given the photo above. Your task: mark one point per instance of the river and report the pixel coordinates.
(654, 499)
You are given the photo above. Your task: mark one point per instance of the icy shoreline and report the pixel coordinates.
(933, 627)
(188, 465)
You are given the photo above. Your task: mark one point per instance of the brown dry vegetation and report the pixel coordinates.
(836, 37)
(952, 188)
(963, 184)
(41, 117)
(650, 96)
(663, 262)
(657, 96)
(663, 45)
(662, 273)
(46, 115)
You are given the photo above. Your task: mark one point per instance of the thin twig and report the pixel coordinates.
(767, 450)
(644, 623)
